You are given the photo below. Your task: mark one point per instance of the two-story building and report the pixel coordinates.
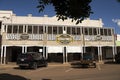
(58, 41)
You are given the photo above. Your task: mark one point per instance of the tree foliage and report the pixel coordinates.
(77, 10)
(118, 0)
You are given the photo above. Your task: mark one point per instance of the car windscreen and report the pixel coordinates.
(23, 55)
(87, 57)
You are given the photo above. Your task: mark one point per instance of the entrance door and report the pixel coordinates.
(12, 53)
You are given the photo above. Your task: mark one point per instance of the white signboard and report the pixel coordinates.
(55, 49)
(74, 49)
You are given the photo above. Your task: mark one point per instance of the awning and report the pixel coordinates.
(55, 49)
(74, 49)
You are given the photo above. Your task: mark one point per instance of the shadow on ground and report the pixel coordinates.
(46, 79)
(111, 62)
(6, 76)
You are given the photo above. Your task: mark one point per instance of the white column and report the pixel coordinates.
(63, 56)
(6, 28)
(22, 49)
(46, 52)
(3, 29)
(25, 48)
(100, 53)
(1, 54)
(113, 53)
(43, 51)
(82, 52)
(4, 54)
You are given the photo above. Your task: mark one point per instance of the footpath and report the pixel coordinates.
(13, 65)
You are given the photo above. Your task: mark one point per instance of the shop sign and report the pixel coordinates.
(64, 39)
(24, 36)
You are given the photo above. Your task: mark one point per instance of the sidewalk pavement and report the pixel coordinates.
(13, 65)
(6, 66)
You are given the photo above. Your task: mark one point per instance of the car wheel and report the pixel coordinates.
(21, 67)
(94, 64)
(46, 64)
(34, 66)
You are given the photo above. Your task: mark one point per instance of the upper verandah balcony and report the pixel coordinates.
(40, 32)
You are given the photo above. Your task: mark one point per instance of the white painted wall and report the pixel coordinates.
(45, 20)
(118, 37)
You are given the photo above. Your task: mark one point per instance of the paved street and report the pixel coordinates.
(62, 72)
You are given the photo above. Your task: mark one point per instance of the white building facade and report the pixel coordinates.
(58, 41)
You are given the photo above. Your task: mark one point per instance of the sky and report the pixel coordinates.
(107, 10)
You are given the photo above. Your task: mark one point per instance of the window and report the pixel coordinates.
(54, 30)
(35, 29)
(15, 29)
(105, 32)
(9, 29)
(86, 31)
(49, 29)
(73, 31)
(112, 31)
(60, 30)
(109, 32)
(78, 31)
(68, 30)
(101, 32)
(40, 29)
(20, 28)
(90, 31)
(29, 29)
(95, 31)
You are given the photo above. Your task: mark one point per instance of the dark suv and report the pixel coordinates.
(117, 58)
(87, 61)
(31, 60)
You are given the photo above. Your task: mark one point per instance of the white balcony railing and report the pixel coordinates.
(93, 38)
(30, 36)
(53, 37)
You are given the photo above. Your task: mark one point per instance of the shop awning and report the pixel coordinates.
(55, 49)
(74, 49)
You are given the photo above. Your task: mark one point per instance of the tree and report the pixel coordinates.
(77, 10)
(118, 0)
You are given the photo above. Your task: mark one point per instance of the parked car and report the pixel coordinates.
(117, 58)
(87, 61)
(31, 60)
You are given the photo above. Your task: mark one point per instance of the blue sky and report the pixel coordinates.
(108, 10)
